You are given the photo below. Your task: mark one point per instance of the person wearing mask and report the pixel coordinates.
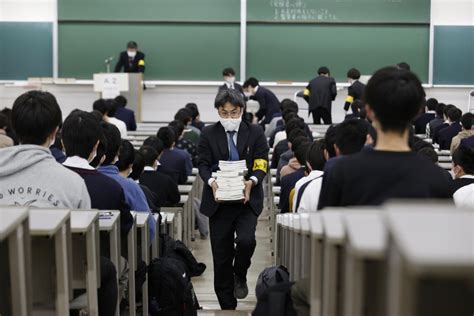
(269, 104)
(229, 81)
(131, 60)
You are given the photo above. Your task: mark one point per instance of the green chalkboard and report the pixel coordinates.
(149, 10)
(173, 51)
(26, 50)
(453, 56)
(294, 52)
(362, 11)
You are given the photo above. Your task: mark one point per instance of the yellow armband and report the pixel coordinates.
(141, 62)
(306, 92)
(260, 164)
(350, 99)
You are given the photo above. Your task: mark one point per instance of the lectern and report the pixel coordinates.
(130, 85)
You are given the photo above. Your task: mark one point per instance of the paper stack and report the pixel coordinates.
(230, 180)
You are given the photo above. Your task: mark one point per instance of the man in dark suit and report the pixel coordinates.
(437, 129)
(319, 94)
(446, 134)
(229, 81)
(269, 103)
(232, 139)
(356, 90)
(124, 114)
(131, 60)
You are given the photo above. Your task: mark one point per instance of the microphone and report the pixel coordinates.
(108, 60)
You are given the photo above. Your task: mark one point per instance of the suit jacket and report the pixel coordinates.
(137, 65)
(177, 164)
(269, 104)
(446, 135)
(252, 146)
(422, 120)
(162, 185)
(436, 132)
(354, 92)
(433, 124)
(469, 142)
(237, 87)
(128, 117)
(320, 92)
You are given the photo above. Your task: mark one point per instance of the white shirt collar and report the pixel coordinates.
(467, 176)
(256, 89)
(77, 162)
(315, 173)
(229, 85)
(148, 168)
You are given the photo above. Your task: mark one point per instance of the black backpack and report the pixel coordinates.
(171, 291)
(170, 248)
(270, 277)
(276, 301)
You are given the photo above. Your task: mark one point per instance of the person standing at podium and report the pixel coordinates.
(131, 60)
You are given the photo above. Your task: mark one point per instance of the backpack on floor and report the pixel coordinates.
(276, 301)
(171, 292)
(170, 248)
(270, 277)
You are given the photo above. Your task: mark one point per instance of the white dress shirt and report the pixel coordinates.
(77, 162)
(310, 198)
(122, 127)
(464, 196)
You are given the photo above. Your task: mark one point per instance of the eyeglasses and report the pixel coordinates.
(232, 114)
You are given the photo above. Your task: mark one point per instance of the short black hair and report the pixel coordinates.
(404, 66)
(440, 109)
(126, 155)
(184, 115)
(315, 156)
(290, 105)
(323, 70)
(295, 133)
(138, 166)
(98, 115)
(101, 149)
(80, 133)
(106, 106)
(428, 153)
(35, 115)
(132, 44)
(357, 106)
(150, 155)
(351, 136)
(447, 108)
(193, 108)
(464, 156)
(301, 152)
(418, 144)
(228, 71)
(121, 101)
(251, 82)
(296, 122)
(100, 106)
(467, 120)
(155, 143)
(297, 141)
(353, 73)
(112, 134)
(330, 140)
(167, 136)
(178, 128)
(432, 104)
(229, 96)
(454, 114)
(396, 97)
(288, 115)
(3, 121)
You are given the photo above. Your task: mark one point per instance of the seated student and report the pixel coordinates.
(174, 162)
(134, 196)
(108, 108)
(192, 107)
(467, 123)
(191, 133)
(430, 154)
(81, 134)
(288, 182)
(429, 114)
(463, 169)
(277, 125)
(182, 143)
(269, 104)
(319, 94)
(159, 183)
(307, 189)
(446, 135)
(437, 121)
(229, 81)
(5, 141)
(356, 107)
(125, 115)
(445, 123)
(469, 142)
(57, 149)
(391, 170)
(280, 132)
(29, 174)
(356, 90)
(282, 145)
(292, 164)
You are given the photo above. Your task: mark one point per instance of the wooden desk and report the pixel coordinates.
(317, 264)
(144, 231)
(86, 255)
(109, 225)
(15, 236)
(51, 247)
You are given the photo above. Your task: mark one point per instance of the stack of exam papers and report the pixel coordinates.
(230, 180)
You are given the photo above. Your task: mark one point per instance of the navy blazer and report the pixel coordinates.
(421, 122)
(320, 92)
(237, 87)
(446, 135)
(469, 142)
(252, 146)
(269, 105)
(137, 65)
(128, 117)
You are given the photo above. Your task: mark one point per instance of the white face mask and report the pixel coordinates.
(131, 54)
(230, 124)
(230, 80)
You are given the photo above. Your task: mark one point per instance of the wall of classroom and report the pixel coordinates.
(443, 13)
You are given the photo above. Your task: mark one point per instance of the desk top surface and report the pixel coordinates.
(81, 221)
(185, 188)
(10, 219)
(333, 227)
(107, 220)
(47, 221)
(142, 219)
(316, 224)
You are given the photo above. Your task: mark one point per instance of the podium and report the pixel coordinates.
(129, 85)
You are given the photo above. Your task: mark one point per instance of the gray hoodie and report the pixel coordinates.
(30, 176)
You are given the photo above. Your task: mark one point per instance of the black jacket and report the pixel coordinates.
(320, 92)
(252, 146)
(162, 185)
(237, 87)
(269, 104)
(136, 65)
(354, 92)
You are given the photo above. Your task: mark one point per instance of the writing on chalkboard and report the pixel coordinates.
(295, 10)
